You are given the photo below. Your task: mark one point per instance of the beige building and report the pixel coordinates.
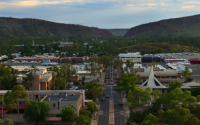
(57, 100)
(42, 80)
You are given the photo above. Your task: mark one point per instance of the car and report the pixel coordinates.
(102, 99)
(115, 85)
(120, 103)
(107, 96)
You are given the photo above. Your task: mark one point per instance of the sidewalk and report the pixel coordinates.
(126, 108)
(96, 117)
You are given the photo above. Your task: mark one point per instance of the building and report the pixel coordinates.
(42, 80)
(57, 100)
(133, 57)
(65, 44)
(155, 84)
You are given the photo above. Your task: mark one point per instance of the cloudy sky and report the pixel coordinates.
(100, 13)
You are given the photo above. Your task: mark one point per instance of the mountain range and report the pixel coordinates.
(22, 28)
(185, 27)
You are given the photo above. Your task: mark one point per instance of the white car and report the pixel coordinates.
(115, 85)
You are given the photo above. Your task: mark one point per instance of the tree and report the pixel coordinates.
(126, 83)
(83, 120)
(106, 60)
(17, 94)
(83, 80)
(59, 84)
(173, 85)
(169, 100)
(84, 117)
(6, 121)
(68, 113)
(150, 120)
(178, 116)
(37, 111)
(91, 106)
(129, 63)
(195, 91)
(27, 80)
(8, 81)
(140, 97)
(93, 91)
(118, 64)
(187, 74)
(93, 68)
(67, 71)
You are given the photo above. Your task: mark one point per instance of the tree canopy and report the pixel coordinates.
(37, 111)
(68, 112)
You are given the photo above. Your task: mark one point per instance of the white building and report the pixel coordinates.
(133, 57)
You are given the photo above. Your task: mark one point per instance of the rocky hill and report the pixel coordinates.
(185, 26)
(21, 28)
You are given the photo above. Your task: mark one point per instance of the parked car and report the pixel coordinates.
(107, 96)
(120, 103)
(115, 85)
(102, 99)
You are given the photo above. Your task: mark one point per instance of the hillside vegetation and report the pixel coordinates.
(145, 48)
(185, 27)
(23, 28)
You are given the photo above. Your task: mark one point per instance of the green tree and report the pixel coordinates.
(140, 97)
(68, 113)
(59, 84)
(187, 74)
(84, 117)
(8, 81)
(179, 116)
(83, 80)
(93, 91)
(195, 91)
(94, 69)
(126, 83)
(67, 71)
(129, 63)
(173, 85)
(83, 120)
(169, 100)
(106, 60)
(150, 120)
(118, 64)
(91, 106)
(27, 80)
(37, 111)
(17, 94)
(6, 121)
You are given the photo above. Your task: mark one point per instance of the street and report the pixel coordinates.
(104, 110)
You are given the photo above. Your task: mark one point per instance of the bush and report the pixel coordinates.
(76, 83)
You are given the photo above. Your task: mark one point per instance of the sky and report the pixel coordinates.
(107, 14)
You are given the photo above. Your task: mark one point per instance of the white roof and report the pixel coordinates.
(152, 81)
(83, 72)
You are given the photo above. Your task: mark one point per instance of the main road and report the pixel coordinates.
(103, 113)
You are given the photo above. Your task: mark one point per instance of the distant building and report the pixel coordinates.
(133, 57)
(65, 44)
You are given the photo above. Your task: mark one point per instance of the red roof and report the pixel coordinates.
(4, 112)
(194, 60)
(20, 107)
(54, 119)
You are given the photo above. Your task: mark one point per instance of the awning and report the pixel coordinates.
(20, 107)
(3, 112)
(54, 119)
